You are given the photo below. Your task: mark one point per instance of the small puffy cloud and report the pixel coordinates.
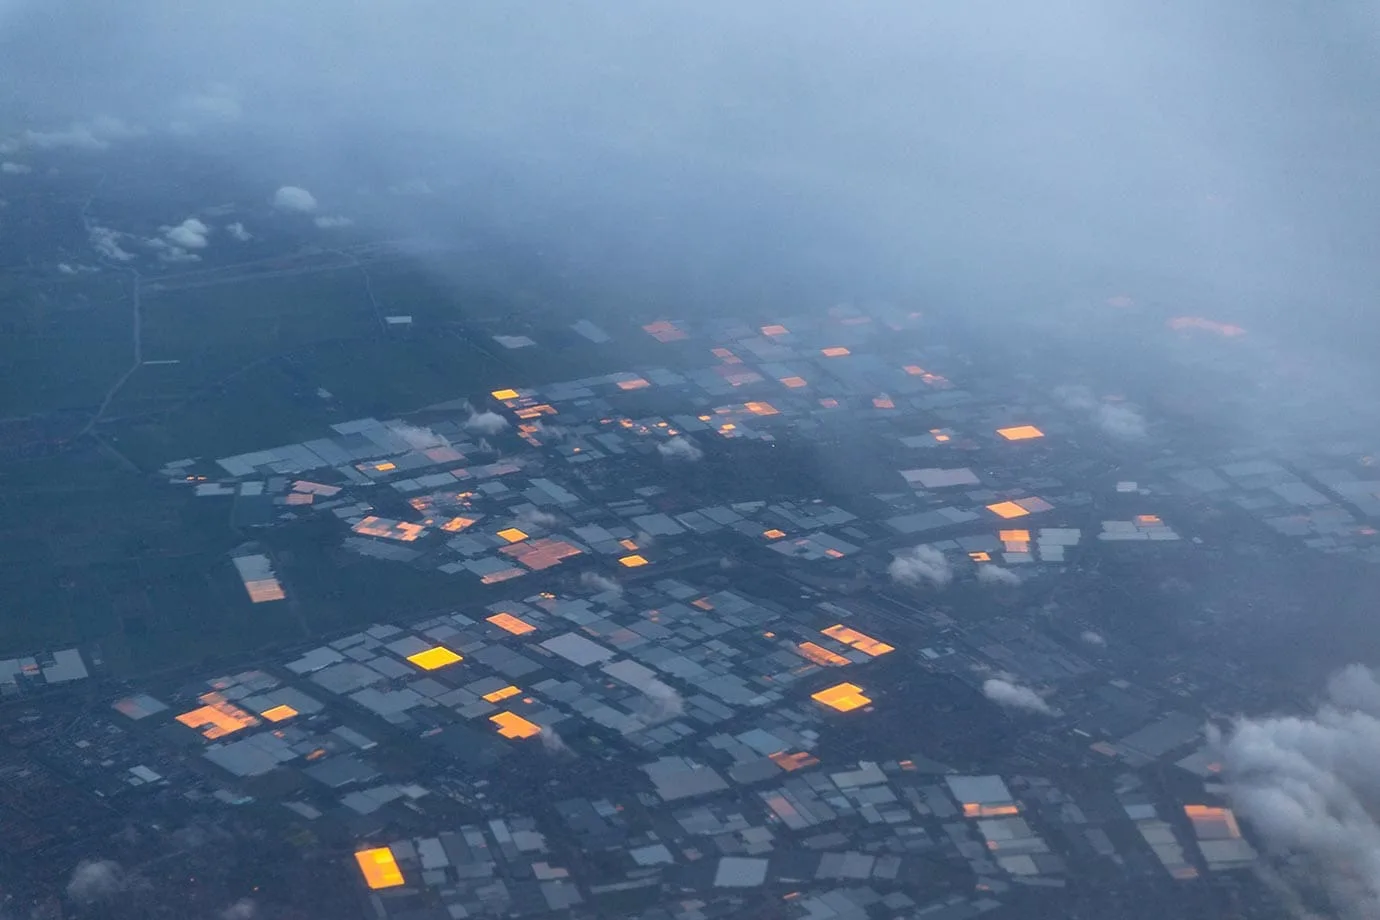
(96, 880)
(294, 200)
(106, 242)
(663, 703)
(1015, 696)
(535, 517)
(1116, 420)
(190, 234)
(601, 584)
(237, 232)
(1093, 638)
(1309, 785)
(1120, 421)
(334, 222)
(920, 565)
(15, 169)
(243, 909)
(97, 134)
(682, 449)
(486, 422)
(995, 575)
(170, 253)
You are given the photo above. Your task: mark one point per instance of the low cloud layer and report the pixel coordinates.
(1012, 695)
(921, 565)
(1311, 785)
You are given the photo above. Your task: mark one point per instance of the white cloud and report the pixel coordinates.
(1120, 421)
(419, 438)
(1116, 420)
(170, 253)
(680, 449)
(996, 575)
(106, 242)
(921, 564)
(1093, 638)
(601, 584)
(664, 703)
(190, 234)
(535, 517)
(96, 880)
(333, 222)
(553, 742)
(1015, 696)
(486, 422)
(243, 909)
(294, 199)
(237, 231)
(1310, 785)
(10, 168)
(97, 134)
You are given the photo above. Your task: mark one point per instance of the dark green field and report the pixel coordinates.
(96, 549)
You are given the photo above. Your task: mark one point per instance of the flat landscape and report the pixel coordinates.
(95, 549)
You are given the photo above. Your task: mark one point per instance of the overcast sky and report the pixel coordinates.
(1227, 146)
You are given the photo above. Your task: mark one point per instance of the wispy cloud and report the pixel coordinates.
(1114, 419)
(97, 134)
(600, 583)
(106, 242)
(996, 576)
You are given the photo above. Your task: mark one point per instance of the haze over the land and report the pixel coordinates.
(1216, 152)
(1049, 164)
